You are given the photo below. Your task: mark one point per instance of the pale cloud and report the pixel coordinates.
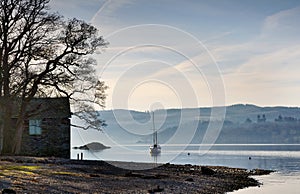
(109, 7)
(107, 19)
(137, 79)
(217, 37)
(283, 58)
(266, 79)
(262, 69)
(281, 18)
(282, 28)
(278, 54)
(258, 89)
(274, 46)
(188, 66)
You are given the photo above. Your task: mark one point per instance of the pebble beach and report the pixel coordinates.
(56, 175)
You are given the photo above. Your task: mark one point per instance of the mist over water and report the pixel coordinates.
(269, 145)
(283, 158)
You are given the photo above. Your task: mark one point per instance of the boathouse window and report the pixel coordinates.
(35, 127)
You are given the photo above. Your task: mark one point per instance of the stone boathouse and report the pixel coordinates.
(47, 128)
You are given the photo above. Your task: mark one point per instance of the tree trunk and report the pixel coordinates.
(17, 138)
(6, 127)
(17, 141)
(12, 131)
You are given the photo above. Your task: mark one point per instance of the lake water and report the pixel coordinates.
(284, 159)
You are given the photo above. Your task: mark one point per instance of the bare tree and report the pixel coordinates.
(43, 55)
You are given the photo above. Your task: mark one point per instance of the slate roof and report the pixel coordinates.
(49, 108)
(40, 108)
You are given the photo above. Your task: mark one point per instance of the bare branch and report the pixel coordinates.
(41, 54)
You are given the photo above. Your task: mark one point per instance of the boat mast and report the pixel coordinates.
(154, 131)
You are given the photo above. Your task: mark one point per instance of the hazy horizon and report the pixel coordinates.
(168, 108)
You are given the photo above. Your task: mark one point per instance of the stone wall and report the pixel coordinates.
(54, 140)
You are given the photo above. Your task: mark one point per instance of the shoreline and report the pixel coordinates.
(56, 175)
(275, 183)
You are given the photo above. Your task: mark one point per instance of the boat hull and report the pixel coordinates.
(155, 150)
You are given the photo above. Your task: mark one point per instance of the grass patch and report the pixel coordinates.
(66, 173)
(23, 168)
(10, 170)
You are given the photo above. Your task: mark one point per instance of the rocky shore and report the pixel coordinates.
(55, 175)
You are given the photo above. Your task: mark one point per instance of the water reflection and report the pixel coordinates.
(276, 157)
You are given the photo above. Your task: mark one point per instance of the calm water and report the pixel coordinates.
(285, 159)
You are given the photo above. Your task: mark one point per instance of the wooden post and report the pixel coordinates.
(81, 156)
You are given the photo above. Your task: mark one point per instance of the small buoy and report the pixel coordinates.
(189, 153)
(249, 158)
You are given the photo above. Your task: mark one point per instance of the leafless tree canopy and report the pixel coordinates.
(44, 55)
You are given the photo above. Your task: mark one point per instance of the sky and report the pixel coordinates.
(195, 53)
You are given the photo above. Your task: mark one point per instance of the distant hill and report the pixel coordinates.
(240, 112)
(244, 123)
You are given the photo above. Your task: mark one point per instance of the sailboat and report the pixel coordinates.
(155, 149)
